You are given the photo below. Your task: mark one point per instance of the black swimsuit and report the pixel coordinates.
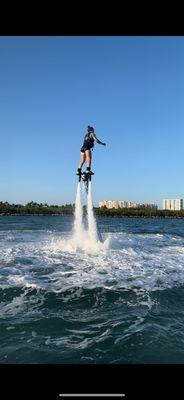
(88, 143)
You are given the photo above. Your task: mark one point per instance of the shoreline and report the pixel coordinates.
(101, 216)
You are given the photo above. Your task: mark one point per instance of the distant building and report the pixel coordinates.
(112, 204)
(173, 204)
(102, 203)
(124, 204)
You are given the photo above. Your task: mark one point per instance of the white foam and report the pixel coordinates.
(123, 261)
(140, 266)
(22, 281)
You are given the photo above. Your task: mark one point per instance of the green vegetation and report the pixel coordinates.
(33, 208)
(144, 212)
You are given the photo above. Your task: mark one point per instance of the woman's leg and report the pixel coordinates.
(88, 156)
(83, 158)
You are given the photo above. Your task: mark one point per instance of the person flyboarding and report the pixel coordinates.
(88, 144)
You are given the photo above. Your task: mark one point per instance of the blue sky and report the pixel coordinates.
(130, 88)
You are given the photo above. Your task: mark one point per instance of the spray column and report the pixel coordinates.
(78, 226)
(92, 227)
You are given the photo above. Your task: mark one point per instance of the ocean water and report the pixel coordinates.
(120, 301)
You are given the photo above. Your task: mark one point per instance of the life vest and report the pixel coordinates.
(88, 140)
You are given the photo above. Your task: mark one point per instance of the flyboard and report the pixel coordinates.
(86, 178)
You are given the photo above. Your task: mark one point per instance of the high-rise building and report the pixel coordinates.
(102, 203)
(124, 204)
(112, 204)
(173, 204)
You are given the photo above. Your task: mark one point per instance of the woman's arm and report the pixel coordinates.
(97, 140)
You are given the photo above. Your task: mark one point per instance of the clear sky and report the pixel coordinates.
(130, 88)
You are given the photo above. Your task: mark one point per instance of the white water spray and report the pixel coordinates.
(78, 225)
(92, 225)
(89, 239)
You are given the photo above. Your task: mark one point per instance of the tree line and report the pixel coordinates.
(33, 208)
(151, 212)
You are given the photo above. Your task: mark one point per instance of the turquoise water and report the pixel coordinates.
(118, 303)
